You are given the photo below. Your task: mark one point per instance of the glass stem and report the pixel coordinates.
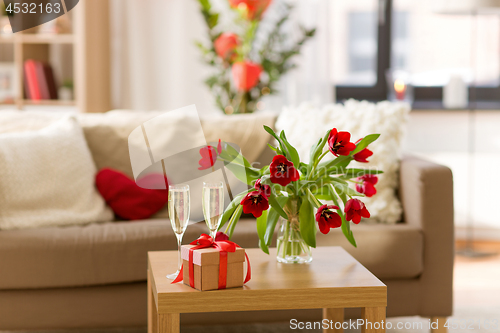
(179, 258)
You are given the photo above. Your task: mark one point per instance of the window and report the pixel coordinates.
(372, 36)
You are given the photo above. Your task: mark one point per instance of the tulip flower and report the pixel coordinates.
(339, 143)
(263, 188)
(362, 155)
(368, 185)
(254, 203)
(225, 46)
(355, 209)
(282, 171)
(327, 219)
(209, 156)
(220, 236)
(246, 75)
(254, 8)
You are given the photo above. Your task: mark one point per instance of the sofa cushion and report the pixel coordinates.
(47, 178)
(130, 200)
(388, 251)
(108, 253)
(306, 123)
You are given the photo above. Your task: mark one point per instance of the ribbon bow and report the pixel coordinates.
(225, 246)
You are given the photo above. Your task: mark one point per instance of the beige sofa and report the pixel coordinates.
(95, 275)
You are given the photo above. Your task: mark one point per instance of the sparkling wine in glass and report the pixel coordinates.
(213, 205)
(178, 211)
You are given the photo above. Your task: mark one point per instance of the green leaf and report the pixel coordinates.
(354, 173)
(340, 167)
(343, 188)
(304, 168)
(277, 206)
(321, 192)
(346, 229)
(307, 224)
(318, 149)
(314, 201)
(275, 149)
(261, 231)
(213, 20)
(246, 175)
(342, 195)
(270, 131)
(365, 142)
(234, 220)
(335, 162)
(238, 165)
(232, 207)
(272, 220)
(292, 152)
(205, 5)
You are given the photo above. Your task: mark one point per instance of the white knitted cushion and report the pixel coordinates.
(305, 124)
(47, 178)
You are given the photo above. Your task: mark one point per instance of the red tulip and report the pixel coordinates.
(355, 209)
(282, 171)
(246, 75)
(368, 186)
(339, 143)
(254, 203)
(262, 188)
(255, 8)
(220, 236)
(209, 156)
(327, 219)
(226, 44)
(362, 155)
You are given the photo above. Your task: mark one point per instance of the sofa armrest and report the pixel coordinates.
(426, 192)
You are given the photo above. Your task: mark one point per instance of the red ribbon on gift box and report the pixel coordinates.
(225, 246)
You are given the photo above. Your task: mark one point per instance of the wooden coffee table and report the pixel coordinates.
(334, 280)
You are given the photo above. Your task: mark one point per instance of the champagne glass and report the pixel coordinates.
(213, 205)
(178, 211)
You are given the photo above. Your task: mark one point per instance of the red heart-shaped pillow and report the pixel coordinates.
(128, 200)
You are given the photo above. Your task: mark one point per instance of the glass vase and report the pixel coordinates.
(292, 249)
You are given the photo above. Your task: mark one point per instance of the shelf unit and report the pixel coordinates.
(89, 43)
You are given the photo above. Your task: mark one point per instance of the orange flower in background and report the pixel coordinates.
(225, 46)
(254, 8)
(246, 75)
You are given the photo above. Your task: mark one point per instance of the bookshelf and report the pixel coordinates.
(81, 56)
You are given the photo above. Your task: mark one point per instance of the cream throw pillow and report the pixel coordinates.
(47, 178)
(305, 124)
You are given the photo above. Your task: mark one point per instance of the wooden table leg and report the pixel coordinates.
(438, 327)
(374, 320)
(334, 316)
(169, 323)
(151, 309)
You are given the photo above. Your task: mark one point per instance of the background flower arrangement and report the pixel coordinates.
(244, 72)
(291, 189)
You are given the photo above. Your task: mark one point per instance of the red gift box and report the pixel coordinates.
(209, 264)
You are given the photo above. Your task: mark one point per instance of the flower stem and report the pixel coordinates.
(316, 163)
(286, 239)
(315, 201)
